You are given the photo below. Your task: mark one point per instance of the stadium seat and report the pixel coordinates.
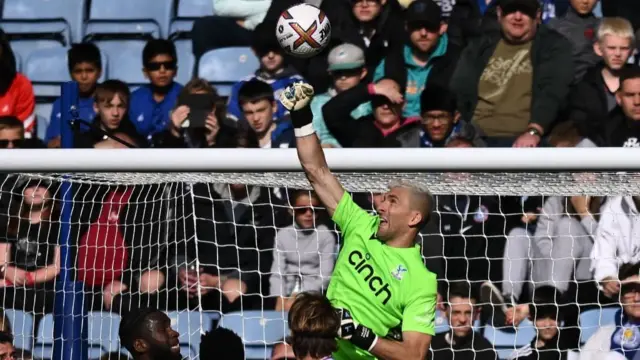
(226, 66)
(24, 47)
(125, 60)
(62, 17)
(43, 347)
(505, 342)
(22, 326)
(18, 61)
(592, 320)
(43, 114)
(102, 333)
(130, 17)
(186, 60)
(260, 330)
(188, 324)
(187, 12)
(48, 69)
(442, 323)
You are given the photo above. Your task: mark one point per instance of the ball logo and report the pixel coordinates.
(280, 29)
(305, 35)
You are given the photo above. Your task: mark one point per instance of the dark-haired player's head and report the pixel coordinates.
(147, 335)
(7, 351)
(160, 63)
(265, 45)
(628, 95)
(544, 311)
(258, 105)
(403, 210)
(111, 103)
(305, 208)
(439, 112)
(629, 276)
(461, 309)
(85, 66)
(314, 326)
(11, 132)
(221, 343)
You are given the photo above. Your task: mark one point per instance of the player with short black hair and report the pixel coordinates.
(147, 334)
(221, 343)
(380, 286)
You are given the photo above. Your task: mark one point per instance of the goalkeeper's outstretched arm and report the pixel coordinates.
(296, 99)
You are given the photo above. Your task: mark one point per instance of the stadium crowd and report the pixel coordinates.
(411, 73)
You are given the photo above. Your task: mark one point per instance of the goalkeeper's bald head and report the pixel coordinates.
(403, 211)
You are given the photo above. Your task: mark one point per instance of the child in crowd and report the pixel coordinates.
(85, 67)
(151, 104)
(273, 71)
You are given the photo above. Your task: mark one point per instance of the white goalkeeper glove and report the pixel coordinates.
(359, 335)
(296, 96)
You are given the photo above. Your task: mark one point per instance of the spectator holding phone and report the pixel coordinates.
(85, 67)
(198, 121)
(151, 104)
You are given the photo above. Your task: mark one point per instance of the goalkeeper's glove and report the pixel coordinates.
(359, 335)
(296, 98)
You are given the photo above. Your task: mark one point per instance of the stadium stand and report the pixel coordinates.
(261, 330)
(224, 67)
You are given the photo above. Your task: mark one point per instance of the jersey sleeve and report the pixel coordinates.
(420, 312)
(349, 216)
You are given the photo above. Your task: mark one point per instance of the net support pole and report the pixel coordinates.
(70, 332)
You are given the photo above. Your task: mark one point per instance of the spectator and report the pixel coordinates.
(219, 131)
(260, 110)
(386, 127)
(619, 340)
(85, 66)
(629, 10)
(427, 60)
(594, 98)
(314, 326)
(16, 92)
(440, 120)
(373, 25)
(461, 342)
(622, 128)
(12, 135)
(282, 351)
(545, 313)
(273, 71)
(347, 69)
(470, 19)
(221, 343)
(579, 25)
(511, 84)
(29, 253)
(304, 253)
(111, 106)
(151, 104)
(614, 243)
(236, 19)
(147, 335)
(7, 351)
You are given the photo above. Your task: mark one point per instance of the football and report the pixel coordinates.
(303, 30)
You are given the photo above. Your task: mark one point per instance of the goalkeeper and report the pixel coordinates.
(385, 295)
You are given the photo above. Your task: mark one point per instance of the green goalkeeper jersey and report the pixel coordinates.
(383, 287)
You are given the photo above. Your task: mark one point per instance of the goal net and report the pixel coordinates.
(227, 248)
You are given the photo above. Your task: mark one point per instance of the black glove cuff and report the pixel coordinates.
(364, 338)
(302, 117)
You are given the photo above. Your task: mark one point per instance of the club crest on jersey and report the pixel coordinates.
(399, 271)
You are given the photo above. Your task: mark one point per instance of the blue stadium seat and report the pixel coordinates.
(22, 326)
(24, 47)
(188, 324)
(186, 60)
(130, 17)
(18, 61)
(48, 69)
(260, 330)
(61, 17)
(103, 333)
(187, 12)
(125, 60)
(226, 66)
(442, 323)
(43, 347)
(505, 342)
(592, 320)
(43, 115)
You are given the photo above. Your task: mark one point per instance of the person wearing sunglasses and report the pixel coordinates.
(12, 135)
(347, 68)
(304, 254)
(151, 104)
(622, 339)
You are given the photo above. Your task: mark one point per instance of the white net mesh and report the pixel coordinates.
(221, 249)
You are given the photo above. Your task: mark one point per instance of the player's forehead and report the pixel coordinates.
(399, 192)
(458, 303)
